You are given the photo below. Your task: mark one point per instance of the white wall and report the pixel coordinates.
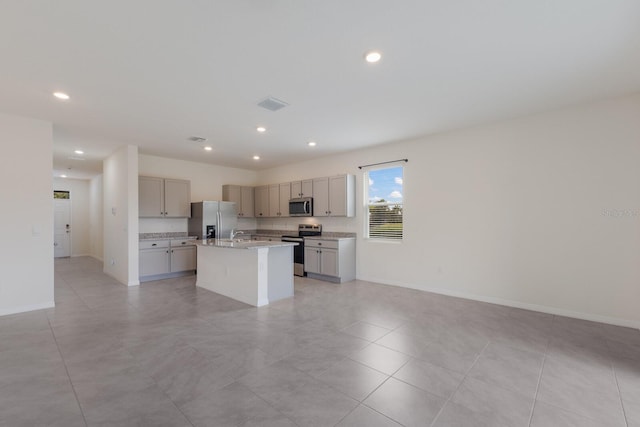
(79, 193)
(541, 212)
(26, 255)
(120, 179)
(206, 184)
(96, 224)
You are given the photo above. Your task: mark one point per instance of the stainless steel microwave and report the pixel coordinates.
(301, 207)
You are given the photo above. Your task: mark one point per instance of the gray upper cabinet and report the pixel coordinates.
(163, 198)
(177, 198)
(321, 197)
(285, 196)
(279, 195)
(342, 195)
(242, 196)
(150, 197)
(334, 196)
(261, 201)
(274, 200)
(302, 188)
(246, 201)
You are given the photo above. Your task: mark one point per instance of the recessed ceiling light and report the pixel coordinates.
(261, 129)
(373, 56)
(61, 95)
(63, 176)
(256, 157)
(79, 152)
(208, 148)
(311, 144)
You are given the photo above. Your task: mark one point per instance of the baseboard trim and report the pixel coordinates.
(26, 308)
(515, 304)
(144, 279)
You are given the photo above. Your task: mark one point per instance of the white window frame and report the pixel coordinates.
(367, 205)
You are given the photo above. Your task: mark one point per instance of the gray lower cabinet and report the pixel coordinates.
(332, 260)
(182, 259)
(154, 262)
(161, 259)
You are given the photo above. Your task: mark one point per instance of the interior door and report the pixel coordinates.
(62, 228)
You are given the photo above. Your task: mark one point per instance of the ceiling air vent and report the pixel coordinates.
(197, 139)
(272, 104)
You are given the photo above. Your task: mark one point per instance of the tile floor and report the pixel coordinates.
(358, 354)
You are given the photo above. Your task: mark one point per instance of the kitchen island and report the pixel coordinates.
(253, 272)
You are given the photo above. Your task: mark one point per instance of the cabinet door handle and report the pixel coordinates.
(171, 250)
(154, 244)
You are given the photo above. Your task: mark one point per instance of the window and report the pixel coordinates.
(59, 194)
(384, 203)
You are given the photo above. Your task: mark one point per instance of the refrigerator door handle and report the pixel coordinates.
(219, 228)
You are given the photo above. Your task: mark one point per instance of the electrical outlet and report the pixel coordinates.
(112, 262)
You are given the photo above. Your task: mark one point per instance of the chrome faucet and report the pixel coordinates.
(234, 233)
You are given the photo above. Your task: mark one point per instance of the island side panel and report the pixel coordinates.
(233, 273)
(280, 273)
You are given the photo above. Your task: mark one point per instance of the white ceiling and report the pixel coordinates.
(153, 73)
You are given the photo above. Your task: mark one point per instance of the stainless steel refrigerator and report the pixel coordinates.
(211, 220)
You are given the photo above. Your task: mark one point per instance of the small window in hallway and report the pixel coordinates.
(59, 194)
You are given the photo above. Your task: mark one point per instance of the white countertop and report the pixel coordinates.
(241, 244)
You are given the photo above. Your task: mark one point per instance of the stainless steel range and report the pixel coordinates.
(304, 230)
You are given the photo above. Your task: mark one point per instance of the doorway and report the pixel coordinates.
(61, 224)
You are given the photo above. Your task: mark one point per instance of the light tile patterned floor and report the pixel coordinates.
(357, 354)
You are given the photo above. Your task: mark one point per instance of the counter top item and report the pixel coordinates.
(257, 274)
(241, 244)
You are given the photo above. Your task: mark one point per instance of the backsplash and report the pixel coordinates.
(163, 225)
(329, 224)
(181, 225)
